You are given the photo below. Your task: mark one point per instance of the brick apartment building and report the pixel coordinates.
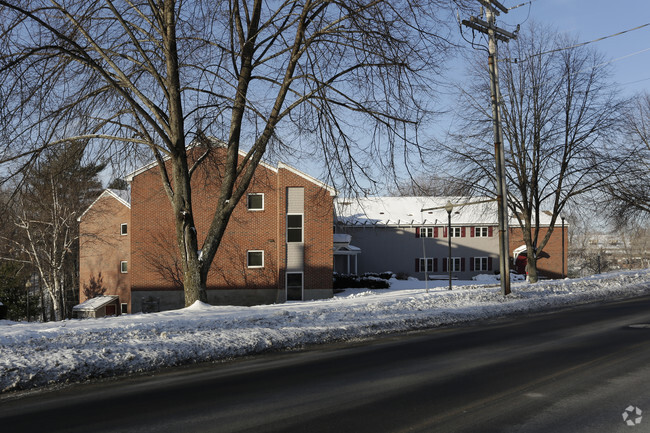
(105, 246)
(277, 247)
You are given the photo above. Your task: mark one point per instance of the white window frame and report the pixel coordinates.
(481, 232)
(429, 264)
(456, 232)
(124, 267)
(302, 228)
(426, 232)
(480, 261)
(455, 261)
(124, 229)
(124, 308)
(248, 265)
(248, 201)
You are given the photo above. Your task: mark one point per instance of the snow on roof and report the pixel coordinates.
(406, 211)
(519, 250)
(341, 238)
(95, 303)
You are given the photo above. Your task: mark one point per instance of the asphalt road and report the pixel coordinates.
(574, 370)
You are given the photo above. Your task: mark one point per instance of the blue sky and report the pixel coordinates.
(592, 19)
(583, 20)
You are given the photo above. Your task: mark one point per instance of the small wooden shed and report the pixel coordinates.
(100, 306)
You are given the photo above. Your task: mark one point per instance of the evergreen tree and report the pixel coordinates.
(14, 292)
(51, 199)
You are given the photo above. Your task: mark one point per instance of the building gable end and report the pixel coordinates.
(106, 193)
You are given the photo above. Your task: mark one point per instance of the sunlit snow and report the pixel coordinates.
(38, 354)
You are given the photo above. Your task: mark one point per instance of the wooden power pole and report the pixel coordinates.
(492, 8)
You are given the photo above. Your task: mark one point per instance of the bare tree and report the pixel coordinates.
(629, 190)
(558, 111)
(264, 76)
(430, 186)
(45, 214)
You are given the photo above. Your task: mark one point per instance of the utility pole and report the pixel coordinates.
(489, 27)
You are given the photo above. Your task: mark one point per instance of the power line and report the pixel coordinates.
(634, 82)
(520, 5)
(622, 57)
(581, 44)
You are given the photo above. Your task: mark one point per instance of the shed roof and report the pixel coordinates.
(95, 303)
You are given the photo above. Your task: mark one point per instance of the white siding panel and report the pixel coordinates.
(295, 200)
(295, 257)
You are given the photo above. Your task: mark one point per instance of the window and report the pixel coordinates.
(456, 264)
(455, 232)
(124, 308)
(294, 286)
(481, 232)
(123, 229)
(255, 201)
(124, 268)
(255, 259)
(426, 232)
(426, 265)
(481, 264)
(294, 228)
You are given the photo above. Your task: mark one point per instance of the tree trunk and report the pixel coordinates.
(531, 265)
(56, 306)
(186, 236)
(193, 283)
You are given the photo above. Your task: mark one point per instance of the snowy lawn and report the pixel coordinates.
(38, 354)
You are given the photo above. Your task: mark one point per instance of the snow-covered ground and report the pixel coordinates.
(38, 354)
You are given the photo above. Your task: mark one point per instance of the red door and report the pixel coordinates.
(110, 310)
(520, 263)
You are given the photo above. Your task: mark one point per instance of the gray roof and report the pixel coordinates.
(95, 303)
(409, 211)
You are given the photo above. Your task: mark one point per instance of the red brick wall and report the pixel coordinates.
(318, 231)
(154, 239)
(102, 247)
(551, 266)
